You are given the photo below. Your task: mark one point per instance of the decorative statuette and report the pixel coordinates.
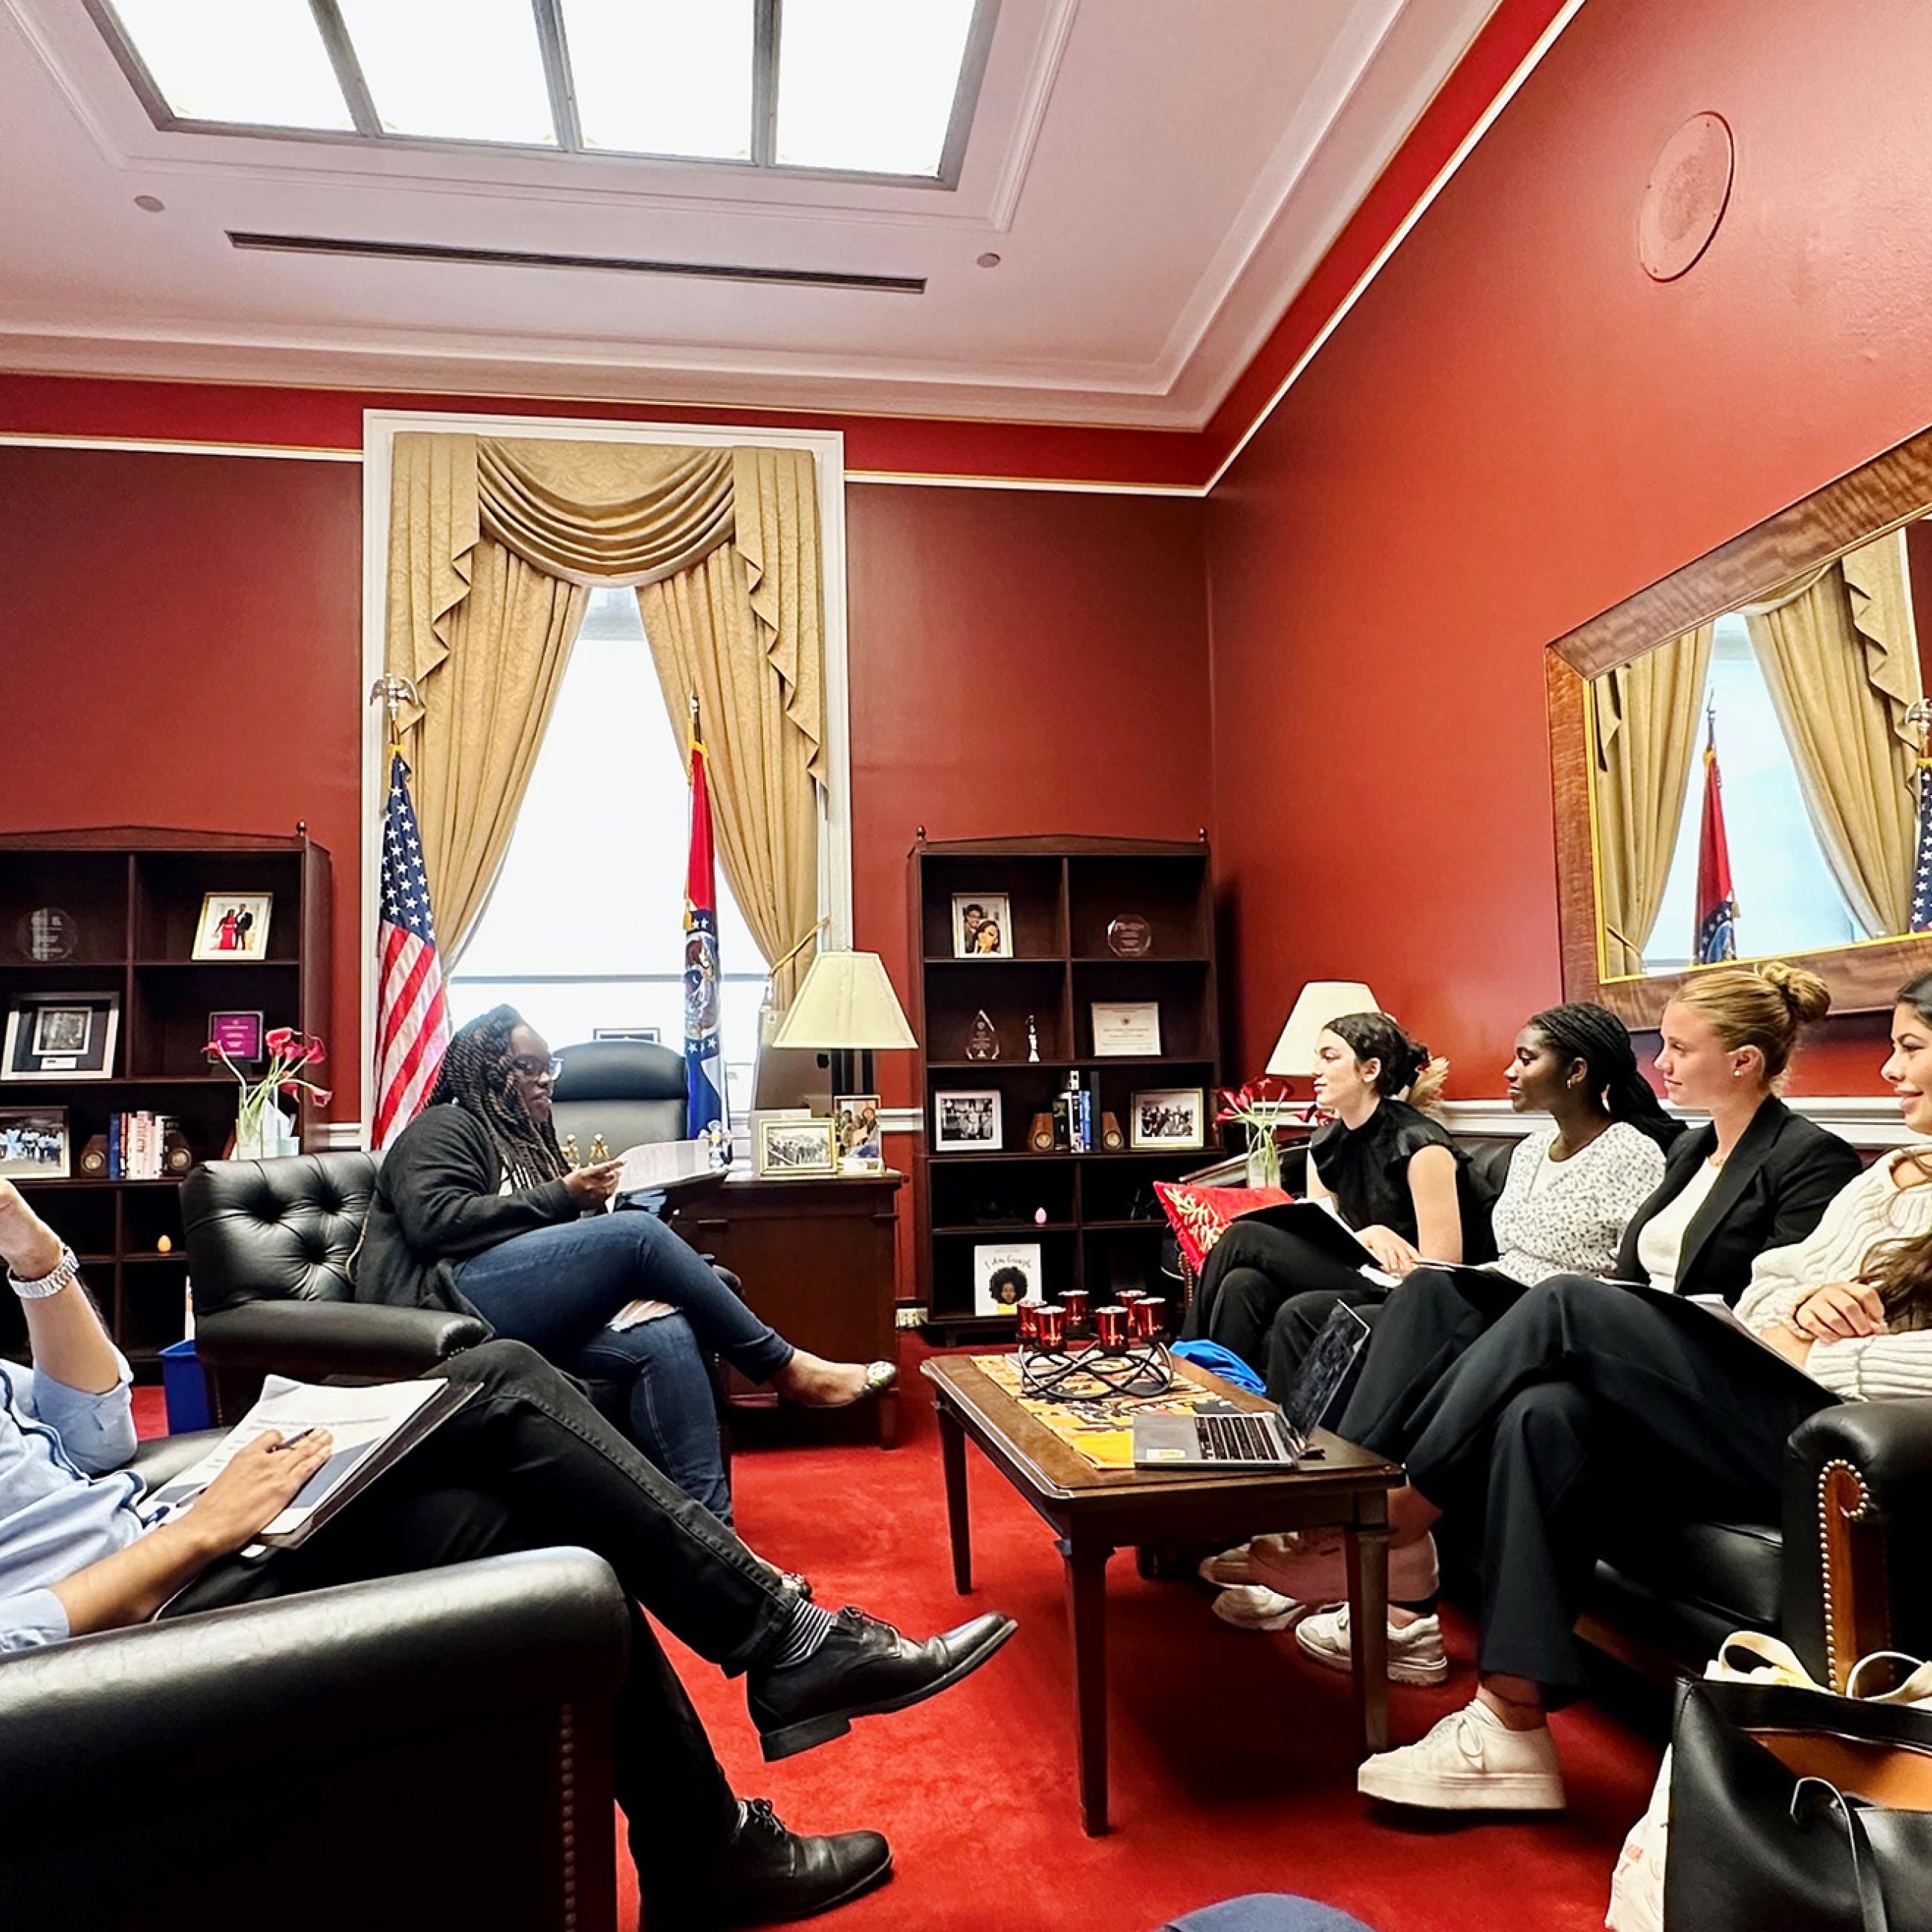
(598, 1151)
(570, 1150)
(1130, 936)
(1033, 1041)
(982, 1042)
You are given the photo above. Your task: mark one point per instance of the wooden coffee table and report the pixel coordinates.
(1094, 1512)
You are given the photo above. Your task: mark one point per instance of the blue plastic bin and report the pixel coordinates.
(184, 1386)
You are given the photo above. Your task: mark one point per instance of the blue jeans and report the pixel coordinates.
(556, 1289)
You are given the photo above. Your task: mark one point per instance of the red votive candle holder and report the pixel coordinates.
(1110, 1325)
(1029, 1313)
(1127, 1297)
(1144, 1315)
(1050, 1325)
(1074, 1300)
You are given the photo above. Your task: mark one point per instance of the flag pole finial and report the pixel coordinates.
(395, 691)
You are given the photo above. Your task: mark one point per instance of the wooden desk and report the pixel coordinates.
(817, 1257)
(1092, 1512)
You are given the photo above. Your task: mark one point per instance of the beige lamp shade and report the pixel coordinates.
(846, 1001)
(1320, 1001)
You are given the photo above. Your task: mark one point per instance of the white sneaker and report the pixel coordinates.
(1414, 1650)
(1249, 1607)
(1229, 1568)
(1471, 1761)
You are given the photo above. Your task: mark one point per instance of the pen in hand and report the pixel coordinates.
(289, 1441)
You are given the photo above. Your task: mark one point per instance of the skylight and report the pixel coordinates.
(852, 87)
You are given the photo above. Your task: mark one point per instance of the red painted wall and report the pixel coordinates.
(1514, 429)
(182, 648)
(189, 628)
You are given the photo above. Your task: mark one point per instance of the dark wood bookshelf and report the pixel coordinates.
(1103, 1231)
(135, 894)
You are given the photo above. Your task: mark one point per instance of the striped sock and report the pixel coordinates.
(810, 1626)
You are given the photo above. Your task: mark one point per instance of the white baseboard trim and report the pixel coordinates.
(1865, 1120)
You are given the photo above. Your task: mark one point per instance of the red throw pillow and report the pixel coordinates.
(1201, 1216)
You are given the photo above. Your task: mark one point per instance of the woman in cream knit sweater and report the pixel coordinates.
(1591, 1400)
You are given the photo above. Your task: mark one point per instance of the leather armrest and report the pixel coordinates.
(1858, 1533)
(344, 1338)
(162, 1458)
(268, 1689)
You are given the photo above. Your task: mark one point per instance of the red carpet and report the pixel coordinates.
(1232, 1768)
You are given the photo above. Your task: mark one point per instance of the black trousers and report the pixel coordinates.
(1585, 1405)
(1252, 1271)
(527, 1463)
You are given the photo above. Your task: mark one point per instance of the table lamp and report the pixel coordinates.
(847, 1005)
(1319, 1002)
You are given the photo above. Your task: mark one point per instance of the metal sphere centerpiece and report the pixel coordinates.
(1061, 1361)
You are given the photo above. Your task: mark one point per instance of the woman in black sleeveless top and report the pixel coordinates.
(1394, 1175)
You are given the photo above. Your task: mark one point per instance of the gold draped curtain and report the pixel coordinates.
(493, 543)
(1841, 662)
(1644, 720)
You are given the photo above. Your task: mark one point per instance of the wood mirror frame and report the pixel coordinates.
(1888, 492)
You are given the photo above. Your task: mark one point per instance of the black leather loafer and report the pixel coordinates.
(863, 1667)
(767, 1874)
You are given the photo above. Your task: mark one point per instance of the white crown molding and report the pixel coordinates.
(1036, 97)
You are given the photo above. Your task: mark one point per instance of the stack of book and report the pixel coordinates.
(137, 1144)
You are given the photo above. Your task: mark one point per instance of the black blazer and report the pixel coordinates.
(1770, 1192)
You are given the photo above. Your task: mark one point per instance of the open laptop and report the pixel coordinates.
(1267, 1439)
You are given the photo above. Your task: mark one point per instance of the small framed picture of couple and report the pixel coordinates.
(982, 926)
(233, 926)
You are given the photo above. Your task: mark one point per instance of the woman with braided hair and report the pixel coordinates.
(476, 1211)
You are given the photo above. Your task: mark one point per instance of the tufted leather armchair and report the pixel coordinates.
(269, 1243)
(312, 1763)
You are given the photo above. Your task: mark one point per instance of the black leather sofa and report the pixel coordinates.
(1847, 1570)
(431, 1750)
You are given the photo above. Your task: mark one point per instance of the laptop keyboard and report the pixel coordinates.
(1236, 1438)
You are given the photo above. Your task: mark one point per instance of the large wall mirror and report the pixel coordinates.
(1777, 688)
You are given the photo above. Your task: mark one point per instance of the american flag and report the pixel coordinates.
(411, 1016)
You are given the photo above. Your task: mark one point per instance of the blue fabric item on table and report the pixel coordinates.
(1267, 1912)
(1220, 1361)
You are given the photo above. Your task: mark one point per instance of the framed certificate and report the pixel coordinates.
(1126, 1026)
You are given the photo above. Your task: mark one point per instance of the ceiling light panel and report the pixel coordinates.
(256, 63)
(867, 85)
(453, 70)
(663, 76)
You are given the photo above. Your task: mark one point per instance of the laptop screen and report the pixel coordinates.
(1323, 1371)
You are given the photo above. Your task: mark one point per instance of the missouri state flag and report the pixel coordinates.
(1717, 902)
(703, 1059)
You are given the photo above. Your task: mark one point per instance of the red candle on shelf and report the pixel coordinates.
(1074, 1300)
(1110, 1325)
(1050, 1325)
(1029, 1311)
(1144, 1315)
(1127, 1297)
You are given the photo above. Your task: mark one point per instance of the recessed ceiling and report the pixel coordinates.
(1150, 183)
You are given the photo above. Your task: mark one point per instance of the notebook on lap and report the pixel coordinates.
(1267, 1439)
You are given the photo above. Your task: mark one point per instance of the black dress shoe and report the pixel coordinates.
(863, 1667)
(767, 1874)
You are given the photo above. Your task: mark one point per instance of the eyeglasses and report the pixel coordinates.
(533, 1068)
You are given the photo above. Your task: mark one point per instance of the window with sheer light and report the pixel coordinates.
(850, 87)
(584, 930)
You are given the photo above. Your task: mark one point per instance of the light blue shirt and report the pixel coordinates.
(61, 1508)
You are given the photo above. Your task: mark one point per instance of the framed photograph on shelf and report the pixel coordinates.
(856, 1131)
(793, 1148)
(33, 1143)
(233, 926)
(1169, 1117)
(1126, 1028)
(966, 1121)
(61, 1037)
(1005, 1273)
(982, 926)
(239, 1035)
